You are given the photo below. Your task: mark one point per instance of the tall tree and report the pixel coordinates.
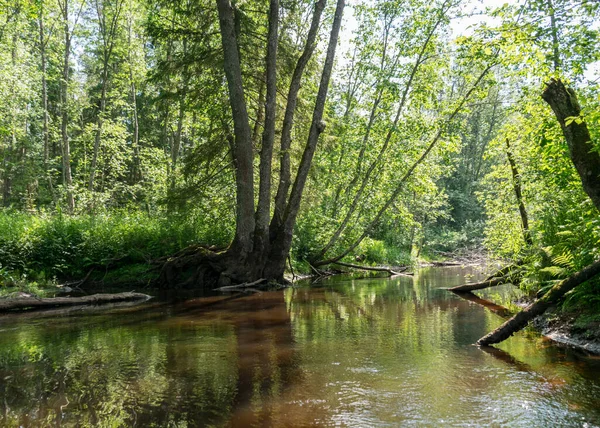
(255, 254)
(70, 20)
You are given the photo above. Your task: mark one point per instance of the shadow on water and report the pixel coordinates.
(348, 353)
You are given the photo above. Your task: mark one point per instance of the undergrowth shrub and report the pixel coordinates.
(45, 246)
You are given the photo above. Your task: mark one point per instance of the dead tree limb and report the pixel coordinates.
(95, 299)
(520, 320)
(373, 268)
(492, 282)
(236, 287)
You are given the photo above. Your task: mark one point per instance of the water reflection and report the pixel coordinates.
(345, 352)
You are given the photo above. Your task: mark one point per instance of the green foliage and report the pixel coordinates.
(47, 246)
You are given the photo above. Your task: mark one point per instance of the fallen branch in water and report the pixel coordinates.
(50, 302)
(240, 286)
(553, 296)
(493, 282)
(374, 268)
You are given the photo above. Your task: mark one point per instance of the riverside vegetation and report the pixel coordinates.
(204, 144)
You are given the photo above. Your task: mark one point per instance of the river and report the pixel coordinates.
(342, 352)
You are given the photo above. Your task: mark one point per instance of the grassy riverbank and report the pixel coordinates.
(40, 251)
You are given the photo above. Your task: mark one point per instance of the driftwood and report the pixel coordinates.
(51, 302)
(374, 268)
(481, 285)
(520, 320)
(245, 285)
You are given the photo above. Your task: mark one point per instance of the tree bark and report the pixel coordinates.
(563, 102)
(520, 320)
(66, 148)
(491, 282)
(263, 211)
(45, 131)
(242, 147)
(519, 195)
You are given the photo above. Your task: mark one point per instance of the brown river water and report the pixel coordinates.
(343, 352)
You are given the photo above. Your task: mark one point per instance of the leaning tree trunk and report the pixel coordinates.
(581, 149)
(519, 195)
(519, 321)
(587, 162)
(282, 238)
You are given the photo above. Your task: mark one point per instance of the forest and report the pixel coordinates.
(197, 144)
(299, 212)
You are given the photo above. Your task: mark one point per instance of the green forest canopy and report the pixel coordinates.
(123, 109)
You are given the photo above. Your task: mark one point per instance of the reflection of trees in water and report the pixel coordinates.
(267, 363)
(209, 359)
(260, 359)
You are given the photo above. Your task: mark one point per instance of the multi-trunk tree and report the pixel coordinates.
(261, 243)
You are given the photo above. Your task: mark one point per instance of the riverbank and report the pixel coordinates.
(581, 331)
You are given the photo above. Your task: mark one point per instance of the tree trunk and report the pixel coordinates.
(520, 320)
(99, 124)
(256, 252)
(66, 148)
(519, 195)
(242, 147)
(282, 243)
(563, 102)
(288, 120)
(491, 282)
(45, 131)
(263, 211)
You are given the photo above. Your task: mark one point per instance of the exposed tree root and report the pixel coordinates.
(193, 266)
(95, 299)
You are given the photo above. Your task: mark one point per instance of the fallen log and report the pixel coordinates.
(51, 302)
(492, 282)
(553, 296)
(373, 268)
